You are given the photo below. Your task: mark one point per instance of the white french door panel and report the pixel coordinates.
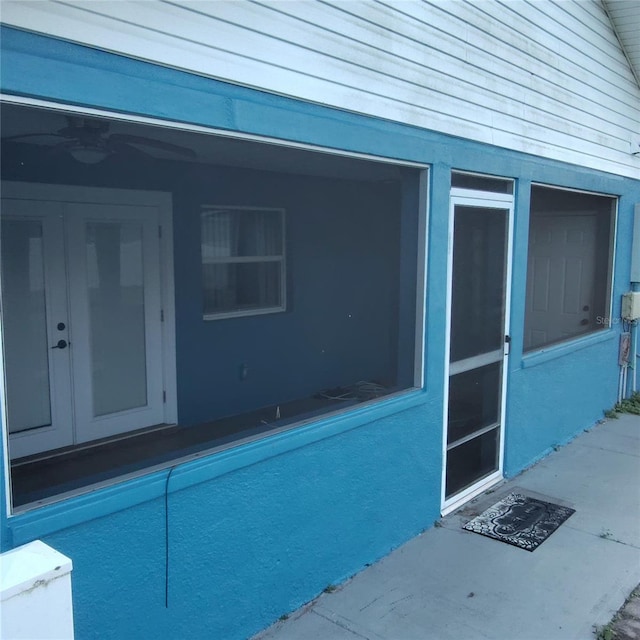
(116, 304)
(86, 280)
(35, 322)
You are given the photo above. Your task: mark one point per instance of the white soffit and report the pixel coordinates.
(625, 18)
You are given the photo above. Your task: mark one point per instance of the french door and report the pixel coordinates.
(478, 342)
(82, 303)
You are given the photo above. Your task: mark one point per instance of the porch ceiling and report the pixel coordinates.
(17, 120)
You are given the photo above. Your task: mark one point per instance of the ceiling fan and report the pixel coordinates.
(88, 141)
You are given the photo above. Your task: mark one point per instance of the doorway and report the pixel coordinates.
(84, 300)
(562, 268)
(478, 342)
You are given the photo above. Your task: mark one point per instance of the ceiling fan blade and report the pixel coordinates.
(67, 145)
(84, 127)
(117, 146)
(152, 142)
(32, 135)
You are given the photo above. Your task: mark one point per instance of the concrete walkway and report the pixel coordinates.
(450, 584)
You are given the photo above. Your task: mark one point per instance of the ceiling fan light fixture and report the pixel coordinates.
(87, 154)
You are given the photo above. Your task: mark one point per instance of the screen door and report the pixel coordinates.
(478, 342)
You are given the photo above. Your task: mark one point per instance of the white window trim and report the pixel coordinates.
(282, 259)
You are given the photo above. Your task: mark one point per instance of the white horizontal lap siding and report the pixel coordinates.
(541, 45)
(405, 77)
(546, 78)
(626, 17)
(426, 66)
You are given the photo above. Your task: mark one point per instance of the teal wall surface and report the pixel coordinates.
(222, 546)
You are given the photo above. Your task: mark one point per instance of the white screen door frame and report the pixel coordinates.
(68, 213)
(497, 356)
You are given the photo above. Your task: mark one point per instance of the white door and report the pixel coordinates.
(82, 305)
(561, 271)
(34, 317)
(479, 276)
(115, 309)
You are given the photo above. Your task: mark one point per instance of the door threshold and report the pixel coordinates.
(469, 494)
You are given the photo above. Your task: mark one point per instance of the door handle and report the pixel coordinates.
(62, 344)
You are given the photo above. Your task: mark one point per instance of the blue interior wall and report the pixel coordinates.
(258, 530)
(343, 294)
(342, 290)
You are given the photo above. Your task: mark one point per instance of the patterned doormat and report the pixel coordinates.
(520, 520)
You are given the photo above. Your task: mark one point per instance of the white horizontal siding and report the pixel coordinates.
(543, 77)
(625, 15)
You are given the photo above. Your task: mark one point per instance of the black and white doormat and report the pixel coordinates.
(520, 520)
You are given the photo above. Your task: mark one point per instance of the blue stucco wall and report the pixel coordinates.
(258, 530)
(248, 546)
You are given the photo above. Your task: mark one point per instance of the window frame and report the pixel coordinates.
(207, 209)
(137, 487)
(608, 281)
(484, 183)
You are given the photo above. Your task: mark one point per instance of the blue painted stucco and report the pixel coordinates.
(257, 530)
(263, 540)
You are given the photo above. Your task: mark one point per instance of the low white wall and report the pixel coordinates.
(35, 594)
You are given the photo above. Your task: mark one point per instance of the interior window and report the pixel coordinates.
(569, 265)
(242, 261)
